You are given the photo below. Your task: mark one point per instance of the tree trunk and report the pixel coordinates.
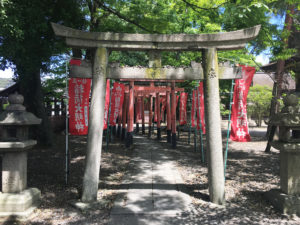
(31, 89)
(277, 88)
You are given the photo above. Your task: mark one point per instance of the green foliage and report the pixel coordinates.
(26, 37)
(129, 58)
(259, 102)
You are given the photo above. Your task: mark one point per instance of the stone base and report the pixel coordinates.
(158, 133)
(169, 136)
(150, 131)
(82, 206)
(19, 204)
(286, 204)
(174, 140)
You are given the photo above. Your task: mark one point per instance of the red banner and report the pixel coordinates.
(200, 108)
(79, 92)
(117, 98)
(193, 110)
(106, 106)
(239, 124)
(182, 108)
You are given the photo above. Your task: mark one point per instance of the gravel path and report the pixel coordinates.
(250, 172)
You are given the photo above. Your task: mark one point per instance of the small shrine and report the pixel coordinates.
(287, 199)
(15, 198)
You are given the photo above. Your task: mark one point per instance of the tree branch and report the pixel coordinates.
(116, 13)
(196, 7)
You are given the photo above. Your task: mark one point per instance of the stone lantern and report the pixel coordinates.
(16, 198)
(287, 199)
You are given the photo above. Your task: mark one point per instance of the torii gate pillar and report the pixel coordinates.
(158, 115)
(173, 114)
(169, 127)
(150, 115)
(129, 136)
(143, 114)
(213, 127)
(94, 142)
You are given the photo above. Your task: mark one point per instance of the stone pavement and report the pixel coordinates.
(153, 189)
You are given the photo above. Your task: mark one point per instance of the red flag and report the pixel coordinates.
(194, 107)
(106, 106)
(239, 124)
(79, 92)
(200, 108)
(182, 108)
(117, 98)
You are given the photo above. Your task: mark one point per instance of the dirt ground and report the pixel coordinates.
(46, 171)
(250, 172)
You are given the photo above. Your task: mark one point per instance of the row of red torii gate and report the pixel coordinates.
(120, 110)
(101, 44)
(118, 98)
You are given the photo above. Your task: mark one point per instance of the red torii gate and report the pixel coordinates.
(149, 91)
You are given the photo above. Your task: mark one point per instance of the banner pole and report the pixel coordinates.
(189, 134)
(67, 127)
(228, 127)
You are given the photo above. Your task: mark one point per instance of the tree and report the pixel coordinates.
(28, 45)
(259, 102)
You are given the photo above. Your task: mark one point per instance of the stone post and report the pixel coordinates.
(94, 143)
(213, 124)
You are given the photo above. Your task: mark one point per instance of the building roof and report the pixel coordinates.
(5, 83)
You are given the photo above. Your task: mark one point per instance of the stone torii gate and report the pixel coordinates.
(103, 43)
